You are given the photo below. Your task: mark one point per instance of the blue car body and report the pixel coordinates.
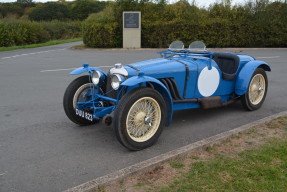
(138, 99)
(184, 69)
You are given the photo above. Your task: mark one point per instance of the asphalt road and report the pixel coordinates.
(41, 150)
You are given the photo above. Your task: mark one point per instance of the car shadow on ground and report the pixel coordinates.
(102, 136)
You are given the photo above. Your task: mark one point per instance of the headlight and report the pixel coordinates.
(116, 81)
(96, 77)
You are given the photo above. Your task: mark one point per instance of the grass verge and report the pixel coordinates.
(255, 160)
(263, 169)
(55, 42)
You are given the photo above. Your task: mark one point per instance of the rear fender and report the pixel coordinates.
(157, 85)
(245, 74)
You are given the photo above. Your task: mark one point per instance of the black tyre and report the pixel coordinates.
(139, 118)
(257, 90)
(77, 92)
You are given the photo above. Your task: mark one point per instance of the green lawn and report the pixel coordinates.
(263, 169)
(55, 42)
(255, 161)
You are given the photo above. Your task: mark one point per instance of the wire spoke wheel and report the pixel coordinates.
(79, 90)
(83, 94)
(257, 89)
(143, 119)
(139, 118)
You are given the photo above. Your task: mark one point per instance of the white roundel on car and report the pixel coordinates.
(208, 81)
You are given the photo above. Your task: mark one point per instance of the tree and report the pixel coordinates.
(50, 11)
(9, 9)
(25, 3)
(81, 9)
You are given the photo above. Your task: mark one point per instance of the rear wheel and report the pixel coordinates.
(257, 89)
(139, 118)
(79, 90)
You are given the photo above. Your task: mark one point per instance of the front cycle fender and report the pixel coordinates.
(86, 68)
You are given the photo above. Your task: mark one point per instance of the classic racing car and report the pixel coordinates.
(138, 99)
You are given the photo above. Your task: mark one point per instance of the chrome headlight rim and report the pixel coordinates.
(116, 81)
(96, 76)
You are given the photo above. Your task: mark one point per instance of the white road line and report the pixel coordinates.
(1, 174)
(31, 53)
(57, 70)
(53, 70)
(268, 57)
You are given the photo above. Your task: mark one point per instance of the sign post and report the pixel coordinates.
(131, 29)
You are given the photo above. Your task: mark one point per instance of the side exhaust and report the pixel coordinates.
(214, 102)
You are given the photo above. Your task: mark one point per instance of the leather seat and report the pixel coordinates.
(228, 64)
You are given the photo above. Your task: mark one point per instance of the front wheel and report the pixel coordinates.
(257, 89)
(139, 118)
(79, 90)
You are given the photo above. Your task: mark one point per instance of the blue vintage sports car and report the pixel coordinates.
(138, 99)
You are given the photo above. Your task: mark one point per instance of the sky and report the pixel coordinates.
(200, 3)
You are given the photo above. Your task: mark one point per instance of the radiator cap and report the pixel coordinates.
(118, 65)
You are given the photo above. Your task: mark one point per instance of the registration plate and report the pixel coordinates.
(84, 114)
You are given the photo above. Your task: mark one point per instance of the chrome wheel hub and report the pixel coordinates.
(147, 121)
(139, 118)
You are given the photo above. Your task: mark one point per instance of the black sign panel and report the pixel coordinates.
(131, 20)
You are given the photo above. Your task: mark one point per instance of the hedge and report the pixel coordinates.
(16, 32)
(20, 33)
(255, 24)
(63, 30)
(214, 34)
(102, 35)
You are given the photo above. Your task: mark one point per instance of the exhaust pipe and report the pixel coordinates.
(107, 120)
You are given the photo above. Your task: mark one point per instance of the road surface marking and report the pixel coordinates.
(268, 57)
(31, 53)
(53, 70)
(58, 70)
(1, 174)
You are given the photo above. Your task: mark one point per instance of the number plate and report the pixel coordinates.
(84, 114)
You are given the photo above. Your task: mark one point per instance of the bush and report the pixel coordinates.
(105, 16)
(63, 30)
(21, 33)
(36, 33)
(101, 35)
(102, 30)
(15, 32)
(6, 38)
